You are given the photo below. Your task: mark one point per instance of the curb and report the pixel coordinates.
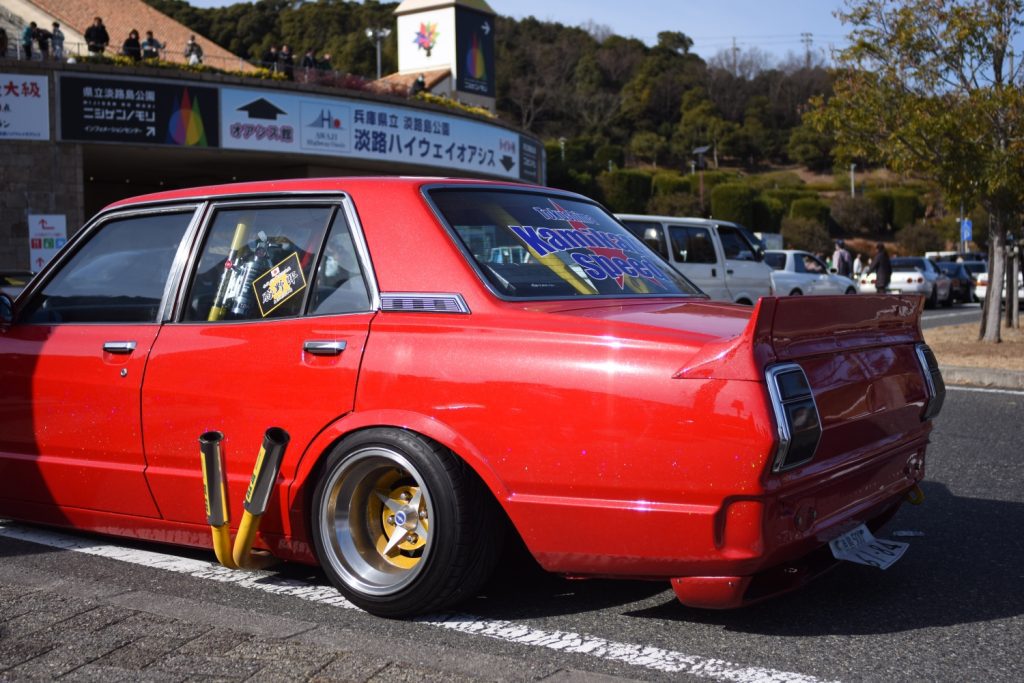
(992, 378)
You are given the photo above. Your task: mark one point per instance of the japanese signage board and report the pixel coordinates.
(474, 52)
(95, 109)
(24, 107)
(263, 120)
(47, 233)
(426, 40)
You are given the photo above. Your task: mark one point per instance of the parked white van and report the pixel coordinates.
(721, 258)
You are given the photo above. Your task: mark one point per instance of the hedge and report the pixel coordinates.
(625, 190)
(906, 208)
(810, 208)
(768, 213)
(671, 183)
(733, 202)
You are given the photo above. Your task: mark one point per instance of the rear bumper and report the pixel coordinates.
(796, 524)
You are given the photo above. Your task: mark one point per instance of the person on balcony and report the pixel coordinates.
(97, 38)
(131, 47)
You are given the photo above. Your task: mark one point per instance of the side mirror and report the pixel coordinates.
(6, 310)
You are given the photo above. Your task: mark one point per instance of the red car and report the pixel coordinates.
(432, 364)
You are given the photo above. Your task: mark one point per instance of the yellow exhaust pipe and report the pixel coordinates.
(257, 497)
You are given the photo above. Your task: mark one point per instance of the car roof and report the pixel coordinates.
(320, 185)
(787, 251)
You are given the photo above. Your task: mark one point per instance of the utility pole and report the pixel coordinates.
(807, 39)
(378, 36)
(735, 57)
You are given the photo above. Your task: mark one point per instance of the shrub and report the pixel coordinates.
(906, 208)
(606, 155)
(675, 204)
(776, 180)
(882, 199)
(919, 237)
(671, 183)
(856, 215)
(733, 202)
(807, 234)
(625, 190)
(768, 213)
(787, 195)
(810, 208)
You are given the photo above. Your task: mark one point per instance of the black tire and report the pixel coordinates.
(850, 290)
(796, 292)
(933, 299)
(948, 302)
(376, 482)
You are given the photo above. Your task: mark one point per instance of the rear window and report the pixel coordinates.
(909, 264)
(530, 245)
(776, 261)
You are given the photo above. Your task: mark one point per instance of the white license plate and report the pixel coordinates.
(894, 291)
(860, 546)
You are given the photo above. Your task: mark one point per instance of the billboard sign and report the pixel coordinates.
(105, 109)
(474, 52)
(47, 233)
(24, 107)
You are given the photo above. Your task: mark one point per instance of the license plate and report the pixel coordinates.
(859, 545)
(894, 291)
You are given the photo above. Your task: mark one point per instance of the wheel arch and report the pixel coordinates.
(304, 475)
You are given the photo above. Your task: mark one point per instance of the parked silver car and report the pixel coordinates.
(797, 272)
(915, 275)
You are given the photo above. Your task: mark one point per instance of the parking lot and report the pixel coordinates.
(93, 608)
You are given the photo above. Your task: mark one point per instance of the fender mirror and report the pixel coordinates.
(6, 310)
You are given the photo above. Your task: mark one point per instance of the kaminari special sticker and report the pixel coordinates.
(279, 284)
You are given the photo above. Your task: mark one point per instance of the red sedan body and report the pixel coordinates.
(630, 436)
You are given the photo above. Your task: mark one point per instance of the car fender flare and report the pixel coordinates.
(425, 425)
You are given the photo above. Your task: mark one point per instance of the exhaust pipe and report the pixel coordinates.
(257, 497)
(264, 474)
(215, 495)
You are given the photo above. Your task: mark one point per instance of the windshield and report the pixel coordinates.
(529, 245)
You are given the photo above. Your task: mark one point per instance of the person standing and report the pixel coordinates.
(58, 42)
(841, 260)
(131, 47)
(43, 41)
(881, 267)
(193, 51)
(27, 36)
(287, 61)
(151, 47)
(96, 37)
(858, 265)
(269, 59)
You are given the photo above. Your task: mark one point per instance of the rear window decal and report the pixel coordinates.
(279, 284)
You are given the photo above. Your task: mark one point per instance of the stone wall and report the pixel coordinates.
(37, 177)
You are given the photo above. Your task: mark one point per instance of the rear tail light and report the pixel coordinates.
(796, 416)
(933, 381)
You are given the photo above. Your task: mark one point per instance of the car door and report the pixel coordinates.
(693, 253)
(269, 331)
(745, 275)
(815, 274)
(72, 366)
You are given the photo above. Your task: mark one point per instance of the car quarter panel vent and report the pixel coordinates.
(423, 303)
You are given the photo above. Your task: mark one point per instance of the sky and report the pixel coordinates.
(773, 26)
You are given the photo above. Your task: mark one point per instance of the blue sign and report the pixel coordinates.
(966, 230)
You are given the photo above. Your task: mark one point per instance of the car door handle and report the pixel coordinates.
(714, 272)
(324, 348)
(119, 347)
(728, 271)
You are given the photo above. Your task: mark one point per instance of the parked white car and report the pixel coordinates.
(915, 275)
(981, 289)
(723, 259)
(799, 272)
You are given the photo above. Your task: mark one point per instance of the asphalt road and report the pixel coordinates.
(89, 608)
(957, 315)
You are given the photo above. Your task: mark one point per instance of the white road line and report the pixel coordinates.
(979, 390)
(632, 654)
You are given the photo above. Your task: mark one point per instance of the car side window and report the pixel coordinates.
(117, 276)
(340, 285)
(651, 234)
(777, 261)
(813, 265)
(734, 244)
(256, 263)
(692, 244)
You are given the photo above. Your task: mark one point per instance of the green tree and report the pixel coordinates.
(929, 87)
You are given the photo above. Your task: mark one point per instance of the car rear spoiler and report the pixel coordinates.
(788, 328)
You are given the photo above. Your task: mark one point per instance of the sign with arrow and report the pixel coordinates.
(47, 233)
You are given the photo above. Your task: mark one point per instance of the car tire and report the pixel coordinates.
(850, 290)
(796, 292)
(381, 482)
(948, 302)
(933, 299)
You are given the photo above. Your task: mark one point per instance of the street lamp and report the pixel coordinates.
(378, 36)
